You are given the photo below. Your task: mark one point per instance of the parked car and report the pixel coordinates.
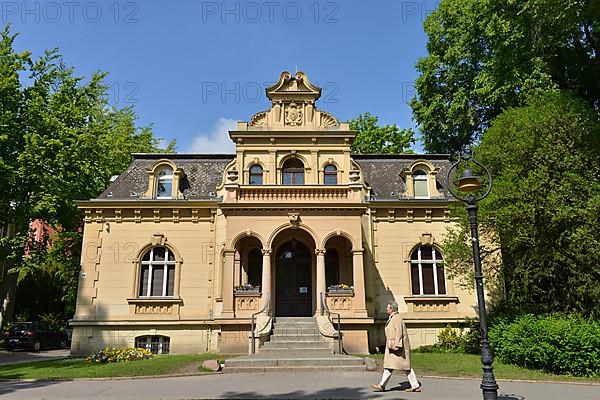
(34, 336)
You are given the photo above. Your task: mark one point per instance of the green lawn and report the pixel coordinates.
(79, 368)
(457, 365)
(469, 365)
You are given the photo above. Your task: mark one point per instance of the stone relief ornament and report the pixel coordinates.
(293, 115)
(259, 119)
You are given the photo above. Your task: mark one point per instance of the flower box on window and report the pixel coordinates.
(340, 288)
(247, 289)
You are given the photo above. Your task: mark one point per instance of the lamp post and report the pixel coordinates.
(470, 184)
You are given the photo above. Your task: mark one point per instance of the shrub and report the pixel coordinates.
(452, 341)
(449, 339)
(556, 343)
(114, 355)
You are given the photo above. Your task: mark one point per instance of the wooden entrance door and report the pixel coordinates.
(293, 287)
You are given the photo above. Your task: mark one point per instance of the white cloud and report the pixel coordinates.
(217, 140)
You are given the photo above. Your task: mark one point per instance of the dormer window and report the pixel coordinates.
(256, 175)
(330, 175)
(164, 183)
(293, 172)
(421, 186)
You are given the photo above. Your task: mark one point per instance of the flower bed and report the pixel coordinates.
(247, 288)
(113, 355)
(340, 288)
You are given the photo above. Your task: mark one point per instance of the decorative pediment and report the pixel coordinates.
(293, 100)
(294, 87)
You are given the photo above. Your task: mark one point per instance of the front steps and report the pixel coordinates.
(295, 345)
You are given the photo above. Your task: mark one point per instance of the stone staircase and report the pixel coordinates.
(295, 345)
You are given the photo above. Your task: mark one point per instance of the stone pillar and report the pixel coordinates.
(237, 270)
(358, 270)
(320, 278)
(267, 292)
(228, 283)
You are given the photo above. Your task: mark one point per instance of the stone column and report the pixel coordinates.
(267, 292)
(228, 283)
(237, 270)
(358, 270)
(320, 278)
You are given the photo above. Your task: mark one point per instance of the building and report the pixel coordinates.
(181, 249)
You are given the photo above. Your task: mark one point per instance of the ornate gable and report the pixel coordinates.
(293, 100)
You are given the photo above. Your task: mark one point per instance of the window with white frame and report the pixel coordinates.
(420, 185)
(157, 273)
(164, 183)
(427, 271)
(156, 344)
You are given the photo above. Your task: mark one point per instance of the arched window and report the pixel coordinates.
(427, 271)
(156, 344)
(157, 273)
(330, 175)
(256, 175)
(293, 172)
(255, 267)
(332, 267)
(164, 183)
(421, 187)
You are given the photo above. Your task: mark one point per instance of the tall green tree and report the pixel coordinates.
(373, 138)
(484, 56)
(60, 141)
(544, 209)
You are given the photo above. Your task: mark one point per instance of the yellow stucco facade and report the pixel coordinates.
(181, 250)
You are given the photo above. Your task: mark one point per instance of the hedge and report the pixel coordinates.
(557, 344)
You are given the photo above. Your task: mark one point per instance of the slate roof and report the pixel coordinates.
(382, 172)
(204, 172)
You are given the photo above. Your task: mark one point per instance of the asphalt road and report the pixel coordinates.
(284, 385)
(22, 356)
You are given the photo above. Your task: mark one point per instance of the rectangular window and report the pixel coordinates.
(330, 179)
(170, 280)
(154, 344)
(166, 345)
(441, 281)
(428, 284)
(144, 280)
(157, 281)
(421, 189)
(414, 275)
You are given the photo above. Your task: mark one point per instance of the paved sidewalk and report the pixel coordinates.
(285, 385)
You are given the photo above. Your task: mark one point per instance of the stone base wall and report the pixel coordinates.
(183, 340)
(232, 339)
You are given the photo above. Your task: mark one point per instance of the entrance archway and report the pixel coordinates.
(293, 283)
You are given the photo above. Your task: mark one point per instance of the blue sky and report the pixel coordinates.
(193, 68)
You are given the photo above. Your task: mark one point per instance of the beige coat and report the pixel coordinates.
(395, 329)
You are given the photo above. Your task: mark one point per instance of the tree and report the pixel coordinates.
(60, 141)
(485, 56)
(545, 205)
(372, 138)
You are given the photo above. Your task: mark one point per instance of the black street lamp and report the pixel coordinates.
(470, 183)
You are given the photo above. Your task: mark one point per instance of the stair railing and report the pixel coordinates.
(268, 310)
(325, 308)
